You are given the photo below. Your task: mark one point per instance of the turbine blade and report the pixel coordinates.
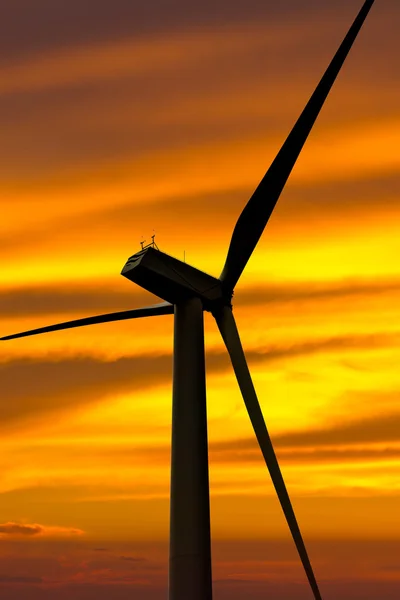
(164, 308)
(257, 211)
(230, 334)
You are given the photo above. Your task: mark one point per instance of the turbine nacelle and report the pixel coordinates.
(173, 280)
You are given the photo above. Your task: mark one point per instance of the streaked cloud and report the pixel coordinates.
(30, 386)
(77, 297)
(365, 438)
(76, 22)
(314, 292)
(377, 428)
(335, 454)
(134, 559)
(30, 530)
(156, 56)
(20, 529)
(70, 299)
(10, 579)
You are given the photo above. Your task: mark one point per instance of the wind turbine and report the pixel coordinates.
(188, 292)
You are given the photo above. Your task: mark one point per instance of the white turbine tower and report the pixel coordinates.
(187, 293)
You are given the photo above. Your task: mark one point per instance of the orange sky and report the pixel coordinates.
(127, 122)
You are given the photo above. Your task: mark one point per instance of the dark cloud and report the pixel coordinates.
(129, 115)
(193, 210)
(336, 442)
(318, 209)
(28, 530)
(234, 581)
(19, 579)
(31, 387)
(339, 446)
(91, 591)
(311, 292)
(304, 205)
(49, 23)
(134, 559)
(334, 344)
(366, 430)
(247, 451)
(71, 299)
(53, 23)
(20, 529)
(348, 195)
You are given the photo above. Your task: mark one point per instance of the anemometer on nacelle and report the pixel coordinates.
(152, 244)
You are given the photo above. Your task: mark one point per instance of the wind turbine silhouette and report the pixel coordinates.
(187, 293)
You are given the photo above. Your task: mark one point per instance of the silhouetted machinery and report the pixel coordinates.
(171, 279)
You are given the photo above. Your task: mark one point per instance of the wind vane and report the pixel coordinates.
(152, 244)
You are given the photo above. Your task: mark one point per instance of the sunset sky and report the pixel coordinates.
(122, 118)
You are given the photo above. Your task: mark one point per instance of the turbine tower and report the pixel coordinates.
(188, 292)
